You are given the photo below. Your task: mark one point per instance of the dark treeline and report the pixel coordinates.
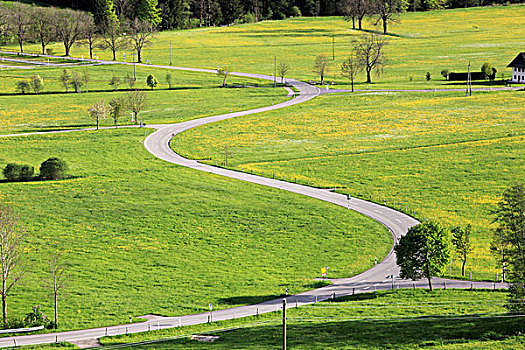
(180, 14)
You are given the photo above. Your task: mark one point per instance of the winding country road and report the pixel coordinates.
(380, 277)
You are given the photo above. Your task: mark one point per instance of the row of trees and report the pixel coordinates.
(31, 24)
(134, 101)
(424, 252)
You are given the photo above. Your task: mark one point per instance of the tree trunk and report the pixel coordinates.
(21, 46)
(360, 23)
(385, 21)
(352, 84)
(4, 305)
(97, 123)
(43, 48)
(56, 310)
(463, 268)
(139, 55)
(368, 76)
(67, 49)
(430, 284)
(114, 55)
(322, 79)
(353, 22)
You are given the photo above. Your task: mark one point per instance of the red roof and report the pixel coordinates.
(519, 61)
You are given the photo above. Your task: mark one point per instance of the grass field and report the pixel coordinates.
(422, 42)
(404, 319)
(193, 95)
(142, 236)
(441, 154)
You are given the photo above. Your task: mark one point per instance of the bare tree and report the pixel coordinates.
(370, 55)
(283, 69)
(355, 9)
(116, 106)
(224, 73)
(350, 68)
(98, 111)
(42, 25)
(59, 277)
(141, 33)
(86, 79)
(112, 38)
(321, 66)
(12, 235)
(136, 101)
(20, 23)
(386, 10)
(89, 33)
(69, 26)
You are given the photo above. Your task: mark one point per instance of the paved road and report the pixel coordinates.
(377, 278)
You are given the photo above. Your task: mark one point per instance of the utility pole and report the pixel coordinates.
(284, 324)
(134, 69)
(226, 153)
(333, 47)
(469, 84)
(274, 71)
(170, 54)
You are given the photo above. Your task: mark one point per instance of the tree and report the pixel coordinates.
(223, 72)
(59, 277)
(136, 101)
(283, 69)
(53, 169)
(444, 73)
(20, 23)
(103, 10)
(423, 252)
(65, 78)
(355, 9)
(42, 25)
(486, 69)
(350, 68)
(151, 81)
(321, 66)
(510, 217)
(130, 81)
(141, 33)
(168, 80)
(386, 9)
(461, 242)
(23, 86)
(149, 12)
(86, 79)
(111, 37)
(428, 77)
(12, 235)
(69, 26)
(37, 83)
(98, 111)
(76, 81)
(90, 35)
(370, 55)
(115, 82)
(116, 106)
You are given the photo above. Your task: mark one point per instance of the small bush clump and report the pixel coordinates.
(53, 169)
(18, 172)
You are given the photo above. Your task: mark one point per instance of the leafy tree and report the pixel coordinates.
(223, 72)
(370, 55)
(510, 217)
(136, 101)
(98, 111)
(53, 169)
(76, 81)
(65, 79)
(350, 68)
(423, 252)
(12, 235)
(116, 106)
(37, 83)
(499, 247)
(175, 13)
(148, 11)
(151, 81)
(283, 69)
(444, 73)
(103, 10)
(86, 79)
(386, 10)
(461, 241)
(321, 66)
(488, 71)
(12, 172)
(23, 86)
(428, 77)
(168, 79)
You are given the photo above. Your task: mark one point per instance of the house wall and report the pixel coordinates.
(518, 75)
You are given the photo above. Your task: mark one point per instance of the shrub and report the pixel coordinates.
(151, 81)
(427, 76)
(296, 12)
(36, 318)
(248, 18)
(53, 169)
(444, 73)
(37, 83)
(23, 86)
(17, 172)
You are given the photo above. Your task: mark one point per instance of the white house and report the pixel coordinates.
(518, 69)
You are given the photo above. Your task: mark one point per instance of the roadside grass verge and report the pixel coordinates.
(402, 319)
(142, 236)
(445, 157)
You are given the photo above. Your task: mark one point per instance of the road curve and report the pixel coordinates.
(377, 278)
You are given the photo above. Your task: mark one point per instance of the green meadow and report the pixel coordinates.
(446, 156)
(403, 319)
(141, 236)
(193, 95)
